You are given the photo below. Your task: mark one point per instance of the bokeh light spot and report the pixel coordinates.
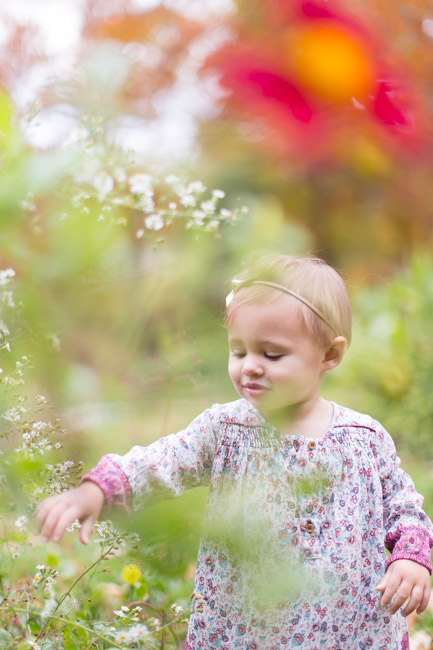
(331, 62)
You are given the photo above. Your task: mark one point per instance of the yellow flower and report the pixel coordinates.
(131, 574)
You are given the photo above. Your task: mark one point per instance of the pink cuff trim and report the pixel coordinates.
(412, 543)
(113, 482)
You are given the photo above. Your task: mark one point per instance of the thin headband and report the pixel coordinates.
(238, 284)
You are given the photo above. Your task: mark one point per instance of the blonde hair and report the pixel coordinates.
(312, 279)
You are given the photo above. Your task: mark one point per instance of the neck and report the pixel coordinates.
(310, 419)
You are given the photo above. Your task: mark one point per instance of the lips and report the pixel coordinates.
(254, 389)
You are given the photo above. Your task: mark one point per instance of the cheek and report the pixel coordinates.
(234, 370)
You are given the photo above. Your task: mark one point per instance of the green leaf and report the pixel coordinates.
(74, 637)
(6, 640)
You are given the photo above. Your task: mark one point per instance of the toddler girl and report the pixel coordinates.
(304, 495)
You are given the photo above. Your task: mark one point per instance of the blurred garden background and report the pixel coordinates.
(147, 148)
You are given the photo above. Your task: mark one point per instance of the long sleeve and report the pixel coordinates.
(162, 470)
(408, 530)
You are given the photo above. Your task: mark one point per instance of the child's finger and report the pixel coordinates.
(424, 601)
(414, 600)
(67, 517)
(42, 512)
(389, 589)
(86, 529)
(50, 518)
(403, 592)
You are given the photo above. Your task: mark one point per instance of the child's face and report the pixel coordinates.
(274, 363)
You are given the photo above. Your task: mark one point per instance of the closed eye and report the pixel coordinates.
(273, 357)
(236, 354)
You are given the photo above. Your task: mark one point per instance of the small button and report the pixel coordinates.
(309, 527)
(312, 445)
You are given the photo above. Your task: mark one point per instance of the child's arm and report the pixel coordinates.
(55, 514)
(144, 475)
(408, 532)
(405, 580)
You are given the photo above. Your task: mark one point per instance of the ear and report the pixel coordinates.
(334, 352)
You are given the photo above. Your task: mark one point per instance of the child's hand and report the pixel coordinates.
(55, 514)
(405, 580)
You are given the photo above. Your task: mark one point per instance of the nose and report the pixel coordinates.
(251, 366)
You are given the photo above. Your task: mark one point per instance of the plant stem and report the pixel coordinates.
(67, 593)
(67, 621)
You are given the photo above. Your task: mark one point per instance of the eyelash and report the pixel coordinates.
(240, 355)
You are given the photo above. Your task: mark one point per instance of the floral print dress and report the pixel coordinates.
(296, 528)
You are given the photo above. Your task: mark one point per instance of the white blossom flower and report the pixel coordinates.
(208, 207)
(5, 276)
(37, 579)
(119, 613)
(40, 426)
(8, 298)
(172, 205)
(140, 233)
(137, 632)
(103, 184)
(21, 522)
(196, 187)
(218, 194)
(146, 203)
(14, 414)
(75, 525)
(198, 217)
(188, 200)
(154, 222)
(171, 179)
(119, 175)
(34, 645)
(140, 183)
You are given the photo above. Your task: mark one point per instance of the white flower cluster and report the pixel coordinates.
(45, 575)
(131, 634)
(62, 475)
(74, 526)
(6, 300)
(19, 365)
(14, 414)
(159, 201)
(109, 535)
(177, 609)
(34, 440)
(6, 276)
(127, 612)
